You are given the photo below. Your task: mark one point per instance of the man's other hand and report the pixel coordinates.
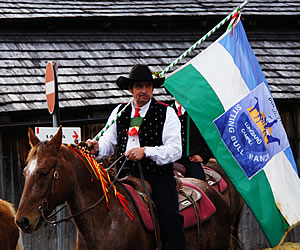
(196, 158)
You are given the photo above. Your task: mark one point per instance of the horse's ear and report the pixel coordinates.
(56, 140)
(33, 140)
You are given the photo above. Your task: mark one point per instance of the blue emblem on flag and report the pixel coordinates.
(252, 130)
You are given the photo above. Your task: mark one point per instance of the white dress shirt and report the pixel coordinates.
(182, 108)
(169, 152)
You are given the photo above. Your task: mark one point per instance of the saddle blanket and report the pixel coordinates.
(205, 207)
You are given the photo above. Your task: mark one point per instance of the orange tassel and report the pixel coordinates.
(103, 176)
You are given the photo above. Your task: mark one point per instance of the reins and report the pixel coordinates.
(196, 210)
(153, 213)
(51, 187)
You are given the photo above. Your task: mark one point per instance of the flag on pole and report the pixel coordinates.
(226, 94)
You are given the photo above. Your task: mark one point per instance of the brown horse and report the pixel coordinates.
(55, 174)
(233, 197)
(9, 231)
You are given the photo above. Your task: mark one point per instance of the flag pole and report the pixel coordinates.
(97, 137)
(202, 39)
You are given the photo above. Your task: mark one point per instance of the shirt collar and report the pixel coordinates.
(143, 109)
(182, 108)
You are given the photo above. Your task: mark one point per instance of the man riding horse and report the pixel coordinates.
(195, 151)
(148, 131)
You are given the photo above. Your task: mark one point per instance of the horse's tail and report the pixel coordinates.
(235, 243)
(13, 211)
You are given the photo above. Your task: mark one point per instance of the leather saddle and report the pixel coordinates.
(188, 195)
(213, 178)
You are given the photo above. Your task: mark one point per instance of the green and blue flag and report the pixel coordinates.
(226, 94)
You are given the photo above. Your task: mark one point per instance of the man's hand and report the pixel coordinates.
(94, 145)
(196, 158)
(135, 154)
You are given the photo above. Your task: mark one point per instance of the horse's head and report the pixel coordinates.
(40, 186)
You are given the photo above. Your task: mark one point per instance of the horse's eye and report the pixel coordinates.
(44, 174)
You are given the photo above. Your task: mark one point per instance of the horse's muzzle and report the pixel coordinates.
(25, 225)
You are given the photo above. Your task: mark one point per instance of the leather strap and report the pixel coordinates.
(152, 211)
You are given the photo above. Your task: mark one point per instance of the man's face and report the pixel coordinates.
(142, 92)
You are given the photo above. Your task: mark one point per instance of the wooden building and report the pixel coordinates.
(94, 42)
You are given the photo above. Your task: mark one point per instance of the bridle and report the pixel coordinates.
(51, 188)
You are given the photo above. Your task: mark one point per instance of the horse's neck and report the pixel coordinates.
(86, 188)
(86, 192)
(94, 225)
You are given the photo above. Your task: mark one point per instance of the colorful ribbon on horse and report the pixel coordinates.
(102, 175)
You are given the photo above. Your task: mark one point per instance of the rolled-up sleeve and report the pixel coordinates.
(171, 149)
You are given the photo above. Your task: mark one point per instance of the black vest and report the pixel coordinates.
(150, 134)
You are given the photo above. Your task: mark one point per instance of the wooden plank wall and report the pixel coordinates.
(13, 151)
(252, 237)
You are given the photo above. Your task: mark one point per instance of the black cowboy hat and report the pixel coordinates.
(139, 73)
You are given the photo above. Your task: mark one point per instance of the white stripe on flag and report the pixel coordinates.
(282, 176)
(218, 68)
(49, 87)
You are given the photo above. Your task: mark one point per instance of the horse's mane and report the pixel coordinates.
(9, 205)
(38, 149)
(101, 174)
(35, 150)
